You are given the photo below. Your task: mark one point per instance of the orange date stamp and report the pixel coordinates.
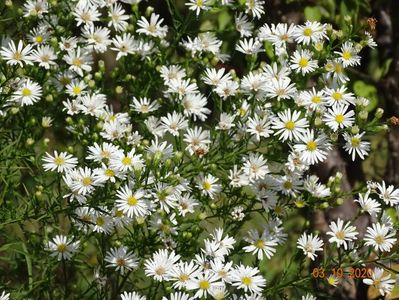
(352, 272)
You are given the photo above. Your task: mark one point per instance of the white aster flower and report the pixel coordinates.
(198, 5)
(368, 205)
(62, 247)
(247, 278)
(342, 234)
(339, 117)
(161, 263)
(60, 162)
(355, 146)
(262, 245)
(289, 125)
(310, 244)
(28, 93)
(121, 259)
(380, 237)
(384, 284)
(153, 27)
(17, 55)
(301, 61)
(313, 149)
(389, 194)
(132, 296)
(132, 203)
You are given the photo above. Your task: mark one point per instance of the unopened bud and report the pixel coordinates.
(119, 89)
(363, 114)
(339, 201)
(324, 205)
(355, 129)
(379, 112)
(30, 141)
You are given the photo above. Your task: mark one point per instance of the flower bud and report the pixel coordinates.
(202, 216)
(379, 112)
(324, 205)
(46, 122)
(318, 122)
(300, 203)
(98, 76)
(168, 163)
(214, 61)
(319, 46)
(91, 83)
(140, 220)
(355, 129)
(101, 65)
(149, 11)
(363, 114)
(334, 137)
(340, 201)
(119, 90)
(30, 141)
(49, 98)
(69, 120)
(178, 156)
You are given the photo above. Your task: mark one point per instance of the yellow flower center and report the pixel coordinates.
(307, 31)
(126, 161)
(17, 55)
(76, 62)
(109, 173)
(260, 244)
(311, 145)
(132, 201)
(164, 228)
(246, 280)
(287, 185)
(100, 221)
(184, 277)
(338, 68)
(160, 270)
(120, 262)
(204, 284)
(340, 235)
(337, 96)
(316, 99)
(61, 248)
(206, 185)
(39, 39)
(303, 62)
(346, 55)
(59, 161)
(26, 92)
(339, 118)
(308, 248)
(105, 154)
(355, 142)
(290, 125)
(119, 214)
(379, 239)
(332, 280)
(87, 181)
(76, 90)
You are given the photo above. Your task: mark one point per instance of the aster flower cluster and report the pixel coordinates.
(182, 168)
